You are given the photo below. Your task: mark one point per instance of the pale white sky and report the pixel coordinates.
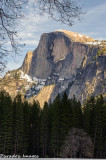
(33, 26)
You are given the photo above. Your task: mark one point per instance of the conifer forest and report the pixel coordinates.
(63, 128)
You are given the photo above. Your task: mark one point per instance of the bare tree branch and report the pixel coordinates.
(77, 145)
(65, 11)
(10, 12)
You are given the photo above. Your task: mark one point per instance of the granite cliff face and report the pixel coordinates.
(66, 61)
(52, 48)
(71, 62)
(57, 51)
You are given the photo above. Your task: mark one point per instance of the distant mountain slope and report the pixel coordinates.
(16, 82)
(67, 61)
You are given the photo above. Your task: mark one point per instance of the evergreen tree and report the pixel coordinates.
(65, 118)
(100, 127)
(26, 132)
(35, 129)
(94, 118)
(5, 123)
(55, 127)
(77, 113)
(45, 130)
(89, 115)
(18, 125)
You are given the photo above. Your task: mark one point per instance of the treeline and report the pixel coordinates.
(27, 129)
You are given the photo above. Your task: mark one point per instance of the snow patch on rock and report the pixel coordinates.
(80, 35)
(59, 30)
(25, 76)
(75, 35)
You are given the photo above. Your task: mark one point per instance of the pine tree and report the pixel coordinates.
(18, 125)
(55, 126)
(45, 130)
(35, 129)
(5, 123)
(65, 118)
(89, 115)
(77, 113)
(100, 134)
(94, 118)
(26, 132)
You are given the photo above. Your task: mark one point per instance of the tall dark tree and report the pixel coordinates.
(100, 127)
(65, 117)
(89, 115)
(35, 129)
(18, 125)
(45, 130)
(77, 113)
(6, 122)
(26, 120)
(95, 124)
(55, 126)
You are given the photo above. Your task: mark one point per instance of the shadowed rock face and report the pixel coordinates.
(52, 48)
(68, 61)
(56, 52)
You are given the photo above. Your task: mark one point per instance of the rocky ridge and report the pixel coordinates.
(77, 37)
(16, 82)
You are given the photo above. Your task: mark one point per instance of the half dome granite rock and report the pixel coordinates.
(54, 48)
(68, 61)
